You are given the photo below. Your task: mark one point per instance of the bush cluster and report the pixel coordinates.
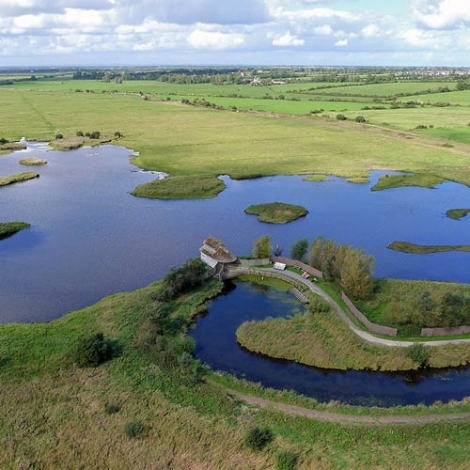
(258, 438)
(92, 351)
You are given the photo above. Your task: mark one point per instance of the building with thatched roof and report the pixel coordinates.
(215, 254)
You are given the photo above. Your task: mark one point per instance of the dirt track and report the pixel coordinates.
(341, 418)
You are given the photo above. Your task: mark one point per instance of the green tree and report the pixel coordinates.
(418, 353)
(262, 247)
(357, 274)
(299, 249)
(316, 249)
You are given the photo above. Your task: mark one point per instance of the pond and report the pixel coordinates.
(216, 345)
(90, 238)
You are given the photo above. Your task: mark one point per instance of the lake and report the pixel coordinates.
(89, 237)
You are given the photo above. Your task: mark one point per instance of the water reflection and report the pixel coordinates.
(89, 237)
(216, 345)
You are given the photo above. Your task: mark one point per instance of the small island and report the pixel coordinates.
(181, 187)
(18, 177)
(406, 247)
(7, 229)
(277, 212)
(320, 178)
(457, 214)
(33, 161)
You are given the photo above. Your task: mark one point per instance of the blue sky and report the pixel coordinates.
(229, 32)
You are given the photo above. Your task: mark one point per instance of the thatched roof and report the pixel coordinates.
(216, 250)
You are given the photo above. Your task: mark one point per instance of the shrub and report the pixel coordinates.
(79, 134)
(111, 408)
(360, 119)
(286, 460)
(92, 351)
(418, 353)
(258, 438)
(117, 134)
(134, 429)
(341, 117)
(95, 135)
(3, 141)
(59, 136)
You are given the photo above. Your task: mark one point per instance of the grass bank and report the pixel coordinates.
(10, 228)
(17, 178)
(277, 212)
(398, 181)
(82, 413)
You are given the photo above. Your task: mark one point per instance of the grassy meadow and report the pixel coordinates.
(55, 415)
(188, 140)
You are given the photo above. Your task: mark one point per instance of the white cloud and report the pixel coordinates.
(342, 43)
(325, 30)
(441, 14)
(288, 40)
(370, 31)
(201, 39)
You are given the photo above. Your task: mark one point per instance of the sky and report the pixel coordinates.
(235, 32)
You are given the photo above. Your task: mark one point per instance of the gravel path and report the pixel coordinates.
(341, 418)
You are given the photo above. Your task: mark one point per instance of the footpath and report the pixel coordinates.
(339, 311)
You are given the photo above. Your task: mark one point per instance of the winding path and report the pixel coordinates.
(363, 334)
(341, 418)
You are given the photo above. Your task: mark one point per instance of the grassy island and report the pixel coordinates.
(18, 177)
(359, 180)
(8, 229)
(320, 178)
(277, 212)
(181, 187)
(423, 180)
(407, 247)
(33, 161)
(457, 214)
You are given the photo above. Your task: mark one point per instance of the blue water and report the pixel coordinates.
(216, 345)
(89, 238)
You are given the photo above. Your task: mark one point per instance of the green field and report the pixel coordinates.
(54, 414)
(181, 139)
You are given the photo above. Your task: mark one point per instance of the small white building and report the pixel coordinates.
(279, 266)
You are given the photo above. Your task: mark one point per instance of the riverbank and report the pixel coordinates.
(46, 397)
